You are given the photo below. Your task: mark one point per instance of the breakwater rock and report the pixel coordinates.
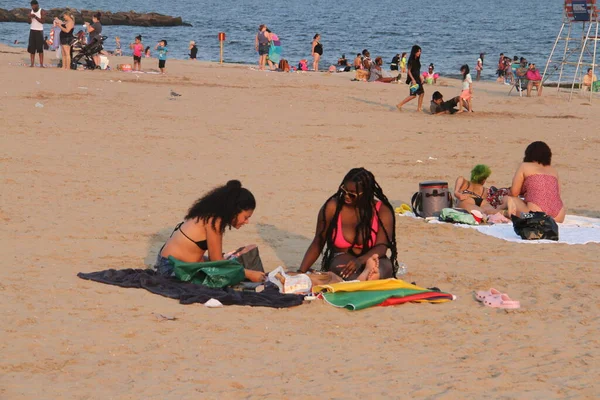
(108, 18)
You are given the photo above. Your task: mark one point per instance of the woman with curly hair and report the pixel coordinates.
(202, 229)
(356, 226)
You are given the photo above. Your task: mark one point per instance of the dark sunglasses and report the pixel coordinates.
(351, 195)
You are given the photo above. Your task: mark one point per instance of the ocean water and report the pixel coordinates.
(451, 33)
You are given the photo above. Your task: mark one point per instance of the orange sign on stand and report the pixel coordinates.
(221, 40)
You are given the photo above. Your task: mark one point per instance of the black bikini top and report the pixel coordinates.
(477, 197)
(202, 244)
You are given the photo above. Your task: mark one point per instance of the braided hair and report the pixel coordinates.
(369, 189)
(223, 203)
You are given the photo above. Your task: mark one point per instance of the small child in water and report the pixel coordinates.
(161, 47)
(137, 48)
(118, 51)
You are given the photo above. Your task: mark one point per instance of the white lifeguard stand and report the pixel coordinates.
(579, 45)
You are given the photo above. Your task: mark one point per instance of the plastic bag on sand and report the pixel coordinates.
(213, 303)
(290, 284)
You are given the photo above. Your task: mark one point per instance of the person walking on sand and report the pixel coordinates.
(479, 66)
(414, 79)
(317, 51)
(261, 44)
(36, 33)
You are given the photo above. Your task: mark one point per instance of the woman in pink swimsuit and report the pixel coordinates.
(356, 226)
(537, 181)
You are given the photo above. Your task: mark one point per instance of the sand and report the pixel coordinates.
(98, 177)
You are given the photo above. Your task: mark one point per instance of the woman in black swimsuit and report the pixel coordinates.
(414, 79)
(472, 195)
(317, 51)
(66, 36)
(204, 225)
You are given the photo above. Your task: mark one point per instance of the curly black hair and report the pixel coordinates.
(222, 204)
(365, 183)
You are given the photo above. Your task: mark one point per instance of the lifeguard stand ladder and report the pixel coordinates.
(580, 47)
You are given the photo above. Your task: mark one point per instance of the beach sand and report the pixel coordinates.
(100, 175)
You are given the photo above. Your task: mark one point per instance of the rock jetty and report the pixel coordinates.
(108, 18)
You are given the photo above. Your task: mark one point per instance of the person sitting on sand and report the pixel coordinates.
(533, 79)
(588, 80)
(430, 77)
(366, 60)
(376, 72)
(395, 64)
(356, 226)
(472, 194)
(539, 184)
(357, 62)
(439, 106)
(202, 230)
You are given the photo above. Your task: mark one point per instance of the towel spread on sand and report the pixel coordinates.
(574, 230)
(188, 293)
(383, 292)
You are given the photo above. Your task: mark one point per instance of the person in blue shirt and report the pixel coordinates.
(162, 49)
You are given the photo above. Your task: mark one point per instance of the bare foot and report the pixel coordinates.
(419, 110)
(399, 107)
(373, 273)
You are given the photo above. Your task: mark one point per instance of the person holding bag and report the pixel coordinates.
(199, 237)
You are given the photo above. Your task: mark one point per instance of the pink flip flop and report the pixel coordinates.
(483, 294)
(502, 301)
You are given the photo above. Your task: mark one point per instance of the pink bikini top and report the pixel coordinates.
(340, 242)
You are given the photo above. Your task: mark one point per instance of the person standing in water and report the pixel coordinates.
(193, 50)
(479, 66)
(36, 33)
(317, 51)
(414, 79)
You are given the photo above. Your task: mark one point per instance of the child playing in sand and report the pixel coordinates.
(147, 52)
(118, 51)
(137, 48)
(161, 47)
(467, 89)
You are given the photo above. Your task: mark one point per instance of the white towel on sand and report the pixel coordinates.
(574, 230)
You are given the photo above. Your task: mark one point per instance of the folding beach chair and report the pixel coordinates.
(519, 84)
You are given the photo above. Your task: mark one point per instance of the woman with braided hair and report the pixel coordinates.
(357, 227)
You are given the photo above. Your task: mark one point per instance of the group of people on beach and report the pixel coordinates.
(356, 225)
(518, 72)
(63, 39)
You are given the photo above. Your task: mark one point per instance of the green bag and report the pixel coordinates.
(214, 274)
(596, 86)
(458, 216)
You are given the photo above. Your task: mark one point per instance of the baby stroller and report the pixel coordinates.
(86, 54)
